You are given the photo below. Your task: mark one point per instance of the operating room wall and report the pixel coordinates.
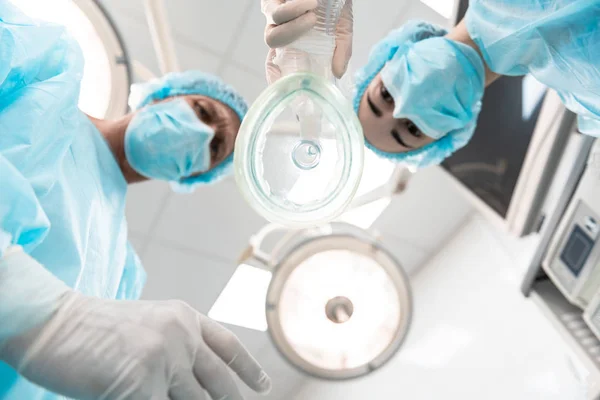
(474, 336)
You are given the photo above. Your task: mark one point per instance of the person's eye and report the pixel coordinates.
(385, 95)
(215, 146)
(201, 112)
(412, 129)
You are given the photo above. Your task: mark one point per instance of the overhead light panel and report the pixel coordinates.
(443, 7)
(242, 302)
(366, 215)
(436, 348)
(376, 173)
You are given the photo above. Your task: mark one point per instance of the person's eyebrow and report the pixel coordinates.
(373, 107)
(210, 108)
(396, 135)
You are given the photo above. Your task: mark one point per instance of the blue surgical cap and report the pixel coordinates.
(192, 83)
(435, 82)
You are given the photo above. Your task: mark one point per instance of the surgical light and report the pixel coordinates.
(106, 77)
(338, 305)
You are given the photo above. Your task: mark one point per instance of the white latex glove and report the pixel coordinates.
(287, 21)
(110, 349)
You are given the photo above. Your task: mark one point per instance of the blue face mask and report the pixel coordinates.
(167, 141)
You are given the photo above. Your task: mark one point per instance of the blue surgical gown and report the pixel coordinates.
(62, 193)
(557, 41)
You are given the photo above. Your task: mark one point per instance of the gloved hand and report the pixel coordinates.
(287, 21)
(109, 349)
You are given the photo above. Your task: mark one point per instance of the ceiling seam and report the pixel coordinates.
(173, 245)
(234, 41)
(399, 17)
(296, 388)
(470, 216)
(178, 37)
(155, 220)
(186, 41)
(412, 243)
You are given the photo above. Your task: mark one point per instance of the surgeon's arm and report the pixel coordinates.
(23, 224)
(461, 34)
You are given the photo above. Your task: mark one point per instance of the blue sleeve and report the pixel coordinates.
(40, 69)
(556, 41)
(134, 277)
(22, 220)
(516, 36)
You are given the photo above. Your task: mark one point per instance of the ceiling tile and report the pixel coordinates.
(285, 378)
(132, 8)
(419, 10)
(131, 23)
(138, 242)
(410, 257)
(144, 201)
(251, 49)
(184, 275)
(214, 24)
(250, 85)
(191, 57)
(443, 7)
(372, 20)
(375, 18)
(214, 220)
(256, 342)
(427, 212)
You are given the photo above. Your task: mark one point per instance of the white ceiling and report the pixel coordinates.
(226, 37)
(190, 243)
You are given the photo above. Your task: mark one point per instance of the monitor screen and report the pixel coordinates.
(577, 250)
(491, 163)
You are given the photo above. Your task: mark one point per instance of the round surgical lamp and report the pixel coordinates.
(339, 304)
(107, 73)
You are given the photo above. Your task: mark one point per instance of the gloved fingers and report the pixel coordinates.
(341, 57)
(228, 347)
(268, 8)
(281, 35)
(343, 42)
(272, 70)
(213, 375)
(292, 10)
(185, 386)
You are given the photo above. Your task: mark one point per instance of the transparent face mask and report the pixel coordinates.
(299, 152)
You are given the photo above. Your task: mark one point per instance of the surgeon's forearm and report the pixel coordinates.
(461, 34)
(29, 295)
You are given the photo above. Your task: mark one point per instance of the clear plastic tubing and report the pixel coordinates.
(313, 51)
